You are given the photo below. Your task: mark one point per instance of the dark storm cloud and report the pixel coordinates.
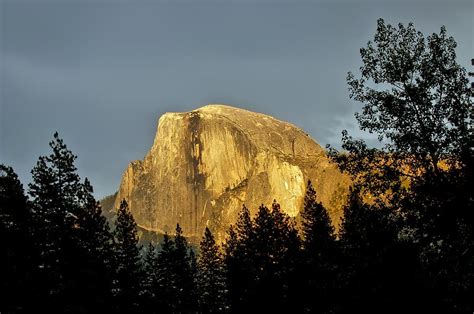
(102, 72)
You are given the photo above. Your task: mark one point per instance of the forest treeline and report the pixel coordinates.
(62, 256)
(405, 243)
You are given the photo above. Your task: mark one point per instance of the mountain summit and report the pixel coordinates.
(206, 163)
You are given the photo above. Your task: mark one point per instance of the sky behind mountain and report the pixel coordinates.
(102, 72)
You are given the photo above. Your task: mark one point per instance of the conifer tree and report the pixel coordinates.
(186, 297)
(231, 262)
(289, 251)
(53, 192)
(317, 229)
(211, 282)
(127, 261)
(194, 263)
(17, 252)
(166, 277)
(319, 254)
(68, 243)
(239, 261)
(275, 246)
(175, 275)
(95, 257)
(149, 288)
(94, 229)
(244, 227)
(231, 243)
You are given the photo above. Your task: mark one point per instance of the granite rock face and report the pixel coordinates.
(206, 163)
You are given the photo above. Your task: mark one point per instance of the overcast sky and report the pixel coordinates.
(102, 72)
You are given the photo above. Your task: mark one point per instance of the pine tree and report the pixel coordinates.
(193, 266)
(182, 270)
(239, 257)
(94, 267)
(276, 245)
(244, 227)
(317, 229)
(17, 252)
(71, 236)
(94, 229)
(289, 251)
(150, 293)
(211, 282)
(175, 275)
(319, 255)
(194, 263)
(127, 261)
(166, 277)
(231, 262)
(53, 191)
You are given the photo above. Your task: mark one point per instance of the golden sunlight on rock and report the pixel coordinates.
(205, 164)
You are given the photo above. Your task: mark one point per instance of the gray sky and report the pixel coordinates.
(102, 72)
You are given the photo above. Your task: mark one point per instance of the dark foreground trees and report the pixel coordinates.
(127, 264)
(17, 253)
(415, 98)
(211, 277)
(405, 244)
(320, 255)
(261, 257)
(169, 279)
(71, 236)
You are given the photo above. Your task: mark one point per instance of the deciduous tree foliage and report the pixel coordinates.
(415, 98)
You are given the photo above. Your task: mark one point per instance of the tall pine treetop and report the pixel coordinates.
(125, 226)
(316, 227)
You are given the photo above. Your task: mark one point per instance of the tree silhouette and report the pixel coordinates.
(53, 192)
(17, 251)
(275, 247)
(239, 261)
(150, 290)
(176, 285)
(378, 269)
(211, 281)
(320, 254)
(95, 258)
(186, 290)
(416, 100)
(127, 261)
(166, 276)
(261, 259)
(72, 238)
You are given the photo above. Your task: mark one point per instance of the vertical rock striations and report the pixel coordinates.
(206, 163)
